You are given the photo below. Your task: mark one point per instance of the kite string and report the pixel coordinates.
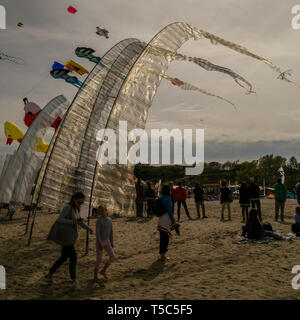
(36, 85)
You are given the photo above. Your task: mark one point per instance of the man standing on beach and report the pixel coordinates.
(254, 195)
(280, 198)
(180, 195)
(298, 190)
(139, 198)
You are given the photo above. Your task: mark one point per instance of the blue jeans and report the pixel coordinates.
(270, 234)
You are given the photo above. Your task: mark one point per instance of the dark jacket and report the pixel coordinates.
(150, 193)
(225, 192)
(254, 192)
(280, 192)
(198, 194)
(139, 191)
(252, 229)
(244, 195)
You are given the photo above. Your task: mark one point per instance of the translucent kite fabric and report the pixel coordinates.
(188, 86)
(24, 165)
(70, 162)
(121, 87)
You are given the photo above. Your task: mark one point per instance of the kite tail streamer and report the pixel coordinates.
(198, 33)
(205, 64)
(16, 60)
(188, 86)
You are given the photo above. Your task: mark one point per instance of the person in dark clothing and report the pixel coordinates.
(254, 230)
(165, 222)
(69, 218)
(139, 198)
(244, 200)
(199, 200)
(225, 200)
(150, 196)
(254, 195)
(180, 195)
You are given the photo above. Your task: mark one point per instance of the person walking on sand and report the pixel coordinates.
(280, 198)
(139, 198)
(244, 200)
(165, 222)
(199, 200)
(10, 211)
(180, 196)
(254, 195)
(104, 240)
(64, 232)
(225, 199)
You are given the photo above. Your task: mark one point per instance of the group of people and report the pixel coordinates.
(178, 196)
(64, 231)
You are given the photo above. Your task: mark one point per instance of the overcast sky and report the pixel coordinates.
(268, 122)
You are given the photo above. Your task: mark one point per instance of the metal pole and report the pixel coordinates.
(28, 218)
(31, 229)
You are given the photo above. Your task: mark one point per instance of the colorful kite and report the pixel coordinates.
(57, 65)
(87, 53)
(75, 67)
(72, 10)
(13, 132)
(63, 74)
(32, 110)
(283, 74)
(102, 32)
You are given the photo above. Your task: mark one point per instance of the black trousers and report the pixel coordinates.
(179, 202)
(150, 204)
(68, 252)
(164, 242)
(256, 203)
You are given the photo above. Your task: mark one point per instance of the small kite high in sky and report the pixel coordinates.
(72, 10)
(83, 52)
(75, 67)
(102, 32)
(63, 74)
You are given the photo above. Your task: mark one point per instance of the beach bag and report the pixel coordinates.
(62, 233)
(158, 207)
(296, 228)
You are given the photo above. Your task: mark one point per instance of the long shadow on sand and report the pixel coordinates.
(155, 269)
(138, 220)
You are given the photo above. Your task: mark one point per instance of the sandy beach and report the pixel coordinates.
(205, 262)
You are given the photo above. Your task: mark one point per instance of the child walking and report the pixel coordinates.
(104, 240)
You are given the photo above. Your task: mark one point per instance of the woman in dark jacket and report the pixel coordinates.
(199, 200)
(150, 197)
(244, 200)
(64, 232)
(225, 200)
(254, 230)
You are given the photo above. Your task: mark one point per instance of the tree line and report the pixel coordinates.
(264, 170)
